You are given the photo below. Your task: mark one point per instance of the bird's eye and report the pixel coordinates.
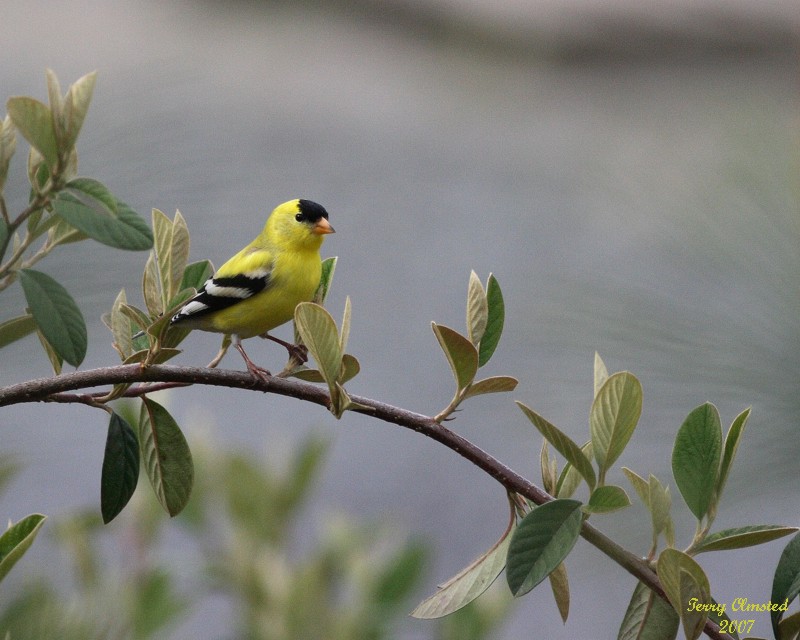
(299, 217)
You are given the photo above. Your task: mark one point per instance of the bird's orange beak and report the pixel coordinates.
(323, 227)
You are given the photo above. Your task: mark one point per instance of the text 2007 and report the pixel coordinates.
(736, 626)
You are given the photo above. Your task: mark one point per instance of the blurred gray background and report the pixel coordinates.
(627, 170)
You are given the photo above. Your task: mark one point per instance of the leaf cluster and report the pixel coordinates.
(62, 209)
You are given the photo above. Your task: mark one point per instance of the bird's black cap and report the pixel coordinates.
(311, 211)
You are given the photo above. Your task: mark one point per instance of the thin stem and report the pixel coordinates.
(56, 390)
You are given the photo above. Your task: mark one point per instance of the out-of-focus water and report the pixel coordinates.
(646, 210)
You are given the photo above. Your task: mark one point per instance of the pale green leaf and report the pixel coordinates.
(76, 104)
(548, 469)
(56, 315)
(741, 537)
(56, 361)
(151, 288)
(460, 353)
(35, 122)
(17, 539)
(344, 332)
(614, 415)
(660, 507)
(600, 373)
(121, 326)
(326, 279)
(541, 542)
(166, 457)
(318, 331)
(179, 254)
(469, 583)
(56, 101)
(477, 309)
(120, 468)
(732, 440)
(683, 579)
(8, 145)
(559, 583)
(493, 384)
(639, 484)
(16, 328)
(563, 444)
(696, 458)
(648, 617)
(494, 321)
(606, 499)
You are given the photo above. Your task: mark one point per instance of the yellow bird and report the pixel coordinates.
(259, 288)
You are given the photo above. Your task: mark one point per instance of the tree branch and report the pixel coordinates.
(56, 389)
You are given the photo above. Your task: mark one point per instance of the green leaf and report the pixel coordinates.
(494, 321)
(166, 457)
(541, 542)
(35, 122)
(477, 309)
(493, 384)
(741, 537)
(350, 368)
(683, 579)
(76, 104)
(570, 479)
(56, 315)
(89, 207)
(648, 617)
(8, 145)
(732, 440)
(563, 444)
(460, 353)
(196, 274)
(326, 279)
(696, 458)
(613, 418)
(560, 586)
(318, 331)
(789, 627)
(16, 328)
(786, 582)
(469, 583)
(606, 499)
(17, 539)
(120, 468)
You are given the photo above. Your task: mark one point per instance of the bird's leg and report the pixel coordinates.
(297, 351)
(226, 342)
(254, 369)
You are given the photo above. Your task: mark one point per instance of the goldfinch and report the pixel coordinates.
(259, 288)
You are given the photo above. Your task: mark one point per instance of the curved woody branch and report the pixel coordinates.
(59, 388)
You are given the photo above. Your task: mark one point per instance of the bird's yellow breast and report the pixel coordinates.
(294, 279)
